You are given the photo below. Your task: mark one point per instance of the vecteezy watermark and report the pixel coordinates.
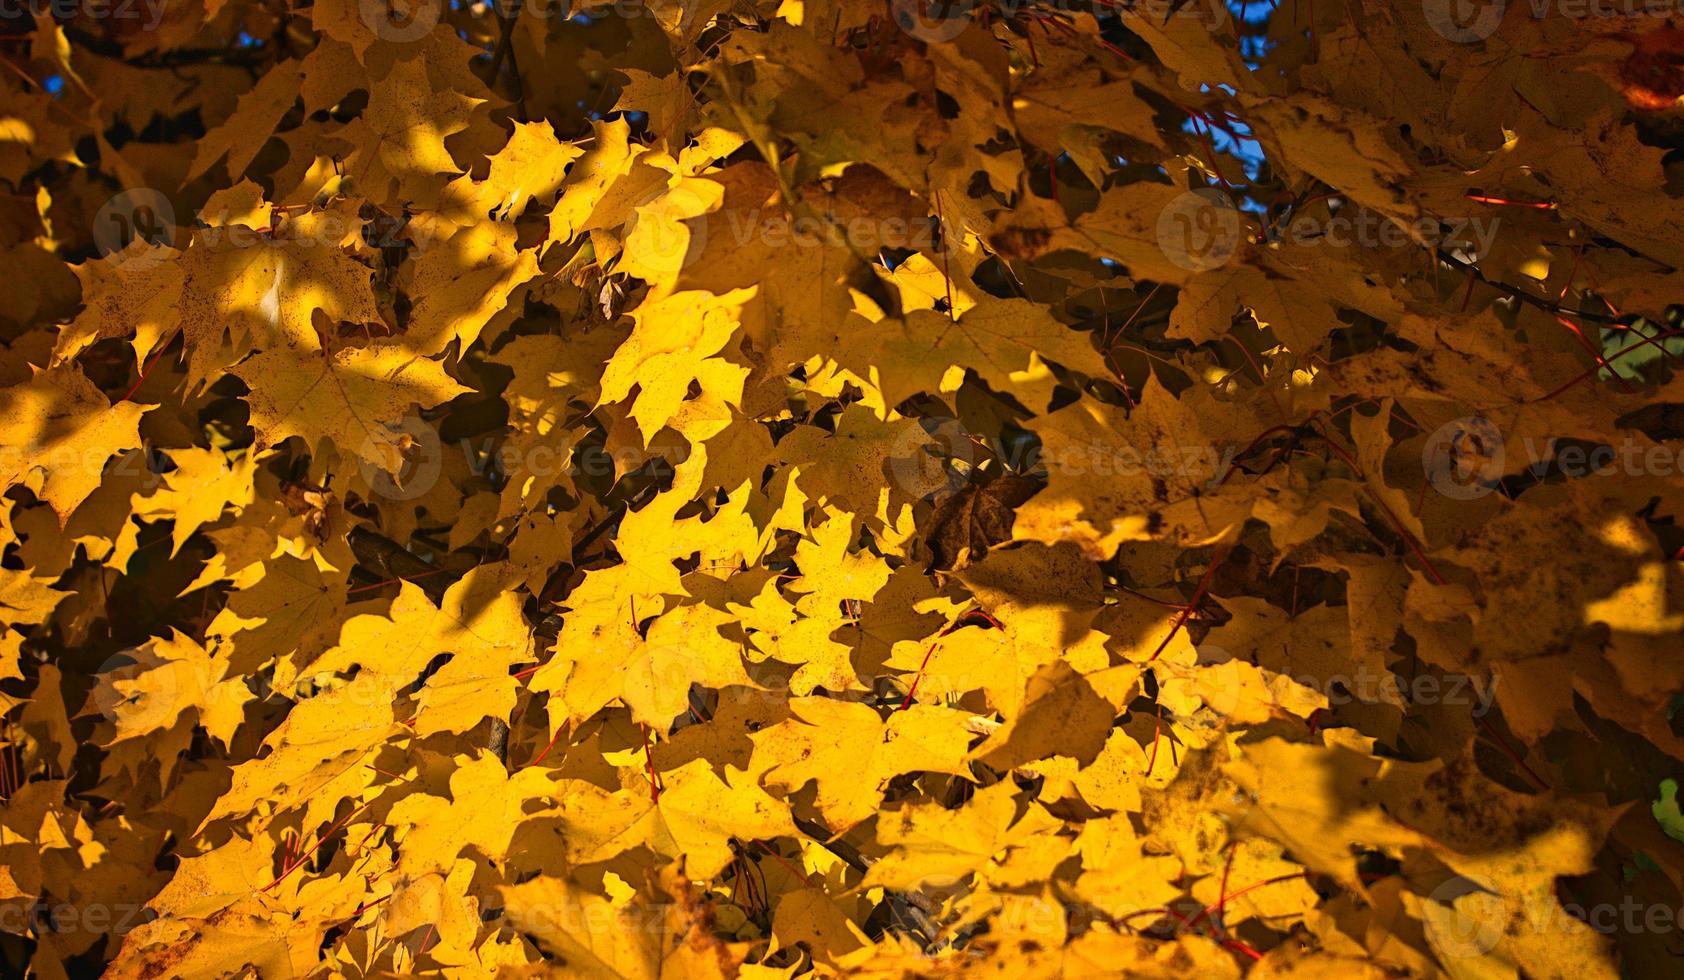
(1358, 227)
(136, 226)
(70, 461)
(923, 458)
(1302, 692)
(1202, 464)
(939, 21)
(401, 21)
(1469, 916)
(659, 246)
(122, 697)
(777, 229)
(590, 918)
(1200, 230)
(1472, 21)
(323, 229)
(1026, 915)
(1465, 458)
(149, 12)
(424, 453)
(64, 918)
(932, 21)
(1367, 686)
(417, 444)
(1464, 21)
(1463, 917)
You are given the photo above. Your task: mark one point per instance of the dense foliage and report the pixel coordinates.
(757, 488)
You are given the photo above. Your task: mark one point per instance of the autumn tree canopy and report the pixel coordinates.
(851, 487)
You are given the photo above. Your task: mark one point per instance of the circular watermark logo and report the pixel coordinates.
(661, 674)
(423, 458)
(1209, 14)
(1463, 458)
(1200, 230)
(921, 460)
(1464, 21)
(1208, 678)
(667, 231)
(135, 226)
(660, 246)
(1465, 917)
(137, 690)
(932, 21)
(400, 21)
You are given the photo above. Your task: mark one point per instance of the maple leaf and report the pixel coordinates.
(266, 295)
(482, 811)
(399, 139)
(463, 282)
(852, 753)
(997, 340)
(59, 431)
(673, 344)
(353, 398)
(644, 938)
